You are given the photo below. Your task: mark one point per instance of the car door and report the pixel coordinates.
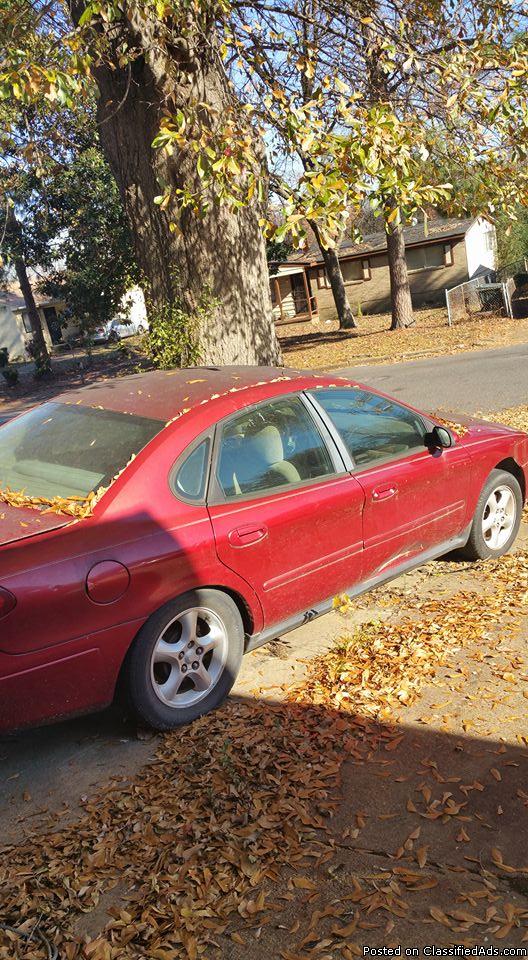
(286, 514)
(415, 497)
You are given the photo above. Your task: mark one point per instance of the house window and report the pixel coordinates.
(25, 321)
(352, 271)
(323, 283)
(490, 240)
(426, 258)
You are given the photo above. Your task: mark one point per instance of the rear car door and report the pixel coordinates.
(286, 514)
(415, 497)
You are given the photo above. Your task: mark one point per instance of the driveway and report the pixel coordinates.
(478, 381)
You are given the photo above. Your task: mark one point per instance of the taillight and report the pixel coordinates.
(7, 601)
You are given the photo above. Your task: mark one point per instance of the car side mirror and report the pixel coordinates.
(439, 437)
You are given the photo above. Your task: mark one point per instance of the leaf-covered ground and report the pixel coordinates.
(381, 800)
(322, 344)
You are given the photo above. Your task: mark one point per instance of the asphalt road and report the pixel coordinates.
(480, 381)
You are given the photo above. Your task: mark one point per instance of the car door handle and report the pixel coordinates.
(246, 535)
(384, 493)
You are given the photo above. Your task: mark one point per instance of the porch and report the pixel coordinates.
(291, 295)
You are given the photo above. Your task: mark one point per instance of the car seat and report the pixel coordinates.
(255, 462)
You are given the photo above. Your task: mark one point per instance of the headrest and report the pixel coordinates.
(267, 445)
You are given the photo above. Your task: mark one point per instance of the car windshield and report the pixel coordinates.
(66, 450)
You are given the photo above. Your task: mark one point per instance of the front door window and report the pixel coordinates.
(373, 428)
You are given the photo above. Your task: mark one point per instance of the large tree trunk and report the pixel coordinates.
(216, 253)
(337, 284)
(40, 348)
(402, 308)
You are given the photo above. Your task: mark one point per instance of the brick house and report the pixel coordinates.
(451, 252)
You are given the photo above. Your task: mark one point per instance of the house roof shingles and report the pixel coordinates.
(377, 242)
(16, 302)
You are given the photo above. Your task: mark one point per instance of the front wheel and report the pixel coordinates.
(497, 517)
(185, 659)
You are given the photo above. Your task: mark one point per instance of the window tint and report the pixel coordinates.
(372, 427)
(191, 475)
(272, 445)
(66, 450)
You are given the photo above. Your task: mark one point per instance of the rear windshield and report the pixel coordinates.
(63, 450)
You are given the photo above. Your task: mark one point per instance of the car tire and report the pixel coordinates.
(141, 330)
(171, 687)
(113, 337)
(491, 537)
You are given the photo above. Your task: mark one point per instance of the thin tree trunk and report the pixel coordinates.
(40, 347)
(337, 284)
(216, 253)
(402, 308)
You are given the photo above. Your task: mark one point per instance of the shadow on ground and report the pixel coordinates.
(289, 830)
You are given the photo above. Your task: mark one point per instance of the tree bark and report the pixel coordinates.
(337, 284)
(402, 308)
(216, 252)
(40, 347)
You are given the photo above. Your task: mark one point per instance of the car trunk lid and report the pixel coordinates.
(18, 523)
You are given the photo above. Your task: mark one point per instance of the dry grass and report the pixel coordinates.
(322, 344)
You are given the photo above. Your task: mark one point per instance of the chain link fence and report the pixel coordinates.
(491, 294)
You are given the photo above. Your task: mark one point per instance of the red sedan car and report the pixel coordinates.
(154, 528)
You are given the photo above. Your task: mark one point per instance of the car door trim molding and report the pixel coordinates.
(436, 515)
(318, 610)
(314, 566)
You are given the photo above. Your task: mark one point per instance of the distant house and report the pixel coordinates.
(15, 328)
(447, 253)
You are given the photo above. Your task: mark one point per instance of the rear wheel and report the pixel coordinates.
(497, 517)
(185, 659)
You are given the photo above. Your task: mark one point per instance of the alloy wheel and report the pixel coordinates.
(189, 657)
(498, 519)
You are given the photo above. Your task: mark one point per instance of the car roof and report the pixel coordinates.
(163, 394)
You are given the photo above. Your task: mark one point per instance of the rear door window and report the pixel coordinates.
(271, 446)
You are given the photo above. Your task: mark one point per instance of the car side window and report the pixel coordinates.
(271, 446)
(191, 475)
(372, 427)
